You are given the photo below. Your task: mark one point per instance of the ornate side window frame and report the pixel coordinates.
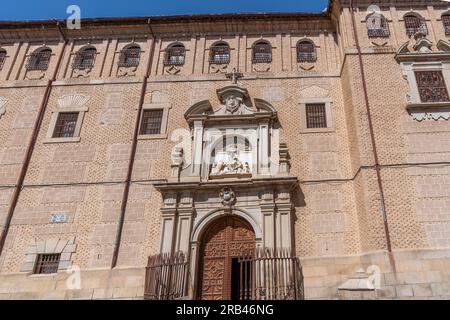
(69, 103)
(328, 110)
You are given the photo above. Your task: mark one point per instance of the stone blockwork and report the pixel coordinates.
(337, 217)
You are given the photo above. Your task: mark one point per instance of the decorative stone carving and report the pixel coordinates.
(285, 165)
(431, 115)
(232, 99)
(126, 71)
(173, 70)
(228, 197)
(73, 100)
(236, 166)
(177, 162)
(218, 68)
(3, 102)
(35, 75)
(81, 73)
(306, 66)
(261, 67)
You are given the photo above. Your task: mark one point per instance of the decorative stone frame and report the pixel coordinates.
(67, 104)
(328, 113)
(165, 118)
(65, 247)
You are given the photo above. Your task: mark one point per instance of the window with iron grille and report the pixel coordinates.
(262, 53)
(220, 54)
(47, 263)
(65, 125)
(316, 116)
(130, 57)
(39, 60)
(446, 22)
(85, 59)
(175, 55)
(414, 24)
(151, 121)
(2, 58)
(306, 52)
(431, 85)
(378, 27)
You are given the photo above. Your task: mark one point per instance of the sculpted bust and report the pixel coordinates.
(232, 103)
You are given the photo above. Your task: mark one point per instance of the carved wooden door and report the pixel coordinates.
(224, 240)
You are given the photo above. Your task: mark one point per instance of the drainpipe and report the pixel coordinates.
(126, 191)
(373, 142)
(19, 186)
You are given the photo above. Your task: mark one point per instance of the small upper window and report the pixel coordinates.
(414, 24)
(262, 52)
(130, 57)
(316, 116)
(85, 58)
(220, 54)
(2, 58)
(432, 87)
(306, 52)
(65, 125)
(151, 121)
(446, 22)
(378, 26)
(39, 60)
(47, 263)
(175, 55)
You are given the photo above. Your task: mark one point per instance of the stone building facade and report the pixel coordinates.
(324, 135)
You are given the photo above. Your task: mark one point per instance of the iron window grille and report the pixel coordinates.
(446, 22)
(431, 85)
(262, 53)
(47, 263)
(306, 52)
(130, 57)
(2, 59)
(85, 59)
(175, 56)
(414, 24)
(378, 27)
(151, 122)
(220, 54)
(316, 116)
(39, 60)
(65, 125)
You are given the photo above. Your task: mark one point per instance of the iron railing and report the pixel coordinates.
(2, 58)
(47, 263)
(130, 57)
(39, 60)
(166, 276)
(264, 274)
(270, 274)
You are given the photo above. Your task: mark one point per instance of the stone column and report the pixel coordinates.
(184, 222)
(268, 219)
(197, 150)
(168, 226)
(263, 156)
(284, 220)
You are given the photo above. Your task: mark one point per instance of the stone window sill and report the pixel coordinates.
(152, 136)
(427, 105)
(62, 140)
(317, 130)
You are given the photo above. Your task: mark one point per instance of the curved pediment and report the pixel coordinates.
(235, 105)
(199, 109)
(422, 49)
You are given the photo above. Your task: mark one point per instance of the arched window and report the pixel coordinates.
(446, 23)
(130, 56)
(85, 58)
(220, 54)
(306, 51)
(175, 55)
(262, 52)
(2, 58)
(414, 24)
(377, 26)
(39, 59)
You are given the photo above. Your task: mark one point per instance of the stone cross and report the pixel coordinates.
(234, 76)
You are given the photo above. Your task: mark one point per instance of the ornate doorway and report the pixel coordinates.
(223, 244)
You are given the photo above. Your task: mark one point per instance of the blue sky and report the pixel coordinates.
(48, 9)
